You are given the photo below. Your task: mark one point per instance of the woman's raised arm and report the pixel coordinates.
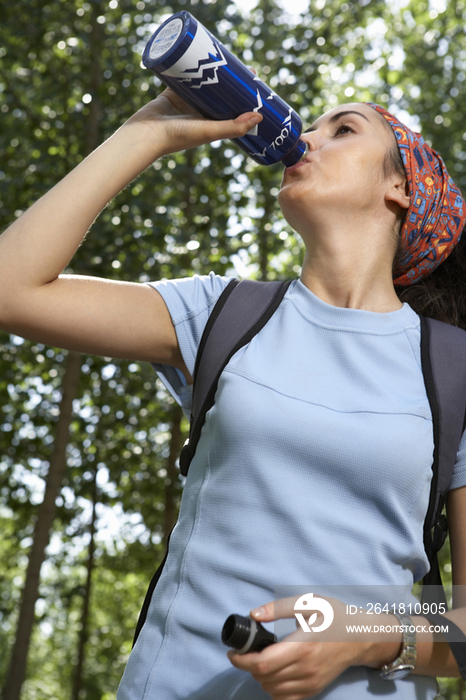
(89, 314)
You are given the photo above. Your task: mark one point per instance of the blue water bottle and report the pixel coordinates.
(191, 61)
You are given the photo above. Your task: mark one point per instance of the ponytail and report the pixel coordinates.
(442, 294)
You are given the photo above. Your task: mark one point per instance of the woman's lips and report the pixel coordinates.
(299, 164)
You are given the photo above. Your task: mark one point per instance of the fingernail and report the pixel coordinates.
(255, 119)
(258, 612)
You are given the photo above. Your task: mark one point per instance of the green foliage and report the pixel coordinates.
(430, 84)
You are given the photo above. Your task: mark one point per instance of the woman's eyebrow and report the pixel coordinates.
(337, 116)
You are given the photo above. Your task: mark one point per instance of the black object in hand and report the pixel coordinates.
(245, 634)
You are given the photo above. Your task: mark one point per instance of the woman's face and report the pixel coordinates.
(342, 175)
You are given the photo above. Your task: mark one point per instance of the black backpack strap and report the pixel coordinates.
(455, 638)
(443, 357)
(241, 311)
(150, 590)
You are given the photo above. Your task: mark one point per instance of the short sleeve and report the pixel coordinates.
(189, 301)
(458, 478)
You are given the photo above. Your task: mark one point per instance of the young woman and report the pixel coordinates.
(314, 464)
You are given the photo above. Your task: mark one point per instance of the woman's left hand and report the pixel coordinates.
(300, 666)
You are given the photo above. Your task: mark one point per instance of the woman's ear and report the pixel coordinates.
(399, 193)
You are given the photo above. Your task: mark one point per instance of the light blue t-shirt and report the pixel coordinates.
(313, 468)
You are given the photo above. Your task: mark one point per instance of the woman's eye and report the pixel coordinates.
(343, 129)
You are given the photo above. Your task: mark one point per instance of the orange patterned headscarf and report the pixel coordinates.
(437, 212)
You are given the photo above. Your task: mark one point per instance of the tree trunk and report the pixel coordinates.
(171, 480)
(263, 236)
(18, 661)
(84, 631)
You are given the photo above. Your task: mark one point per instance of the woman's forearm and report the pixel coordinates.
(39, 245)
(434, 657)
(90, 314)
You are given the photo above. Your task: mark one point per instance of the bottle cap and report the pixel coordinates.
(297, 153)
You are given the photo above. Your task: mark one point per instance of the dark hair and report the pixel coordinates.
(442, 294)
(393, 162)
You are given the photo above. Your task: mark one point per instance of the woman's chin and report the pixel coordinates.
(292, 199)
(288, 194)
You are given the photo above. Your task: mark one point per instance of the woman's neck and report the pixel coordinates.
(353, 279)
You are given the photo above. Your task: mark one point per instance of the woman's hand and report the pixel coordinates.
(304, 663)
(172, 125)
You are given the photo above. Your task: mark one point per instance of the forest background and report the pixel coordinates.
(89, 485)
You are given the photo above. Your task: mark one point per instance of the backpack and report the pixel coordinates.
(243, 309)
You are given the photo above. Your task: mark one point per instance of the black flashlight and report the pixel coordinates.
(245, 634)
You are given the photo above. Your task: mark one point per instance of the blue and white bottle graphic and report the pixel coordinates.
(190, 60)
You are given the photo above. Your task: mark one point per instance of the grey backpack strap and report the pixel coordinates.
(443, 356)
(241, 311)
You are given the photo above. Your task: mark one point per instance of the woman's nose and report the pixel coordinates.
(312, 139)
